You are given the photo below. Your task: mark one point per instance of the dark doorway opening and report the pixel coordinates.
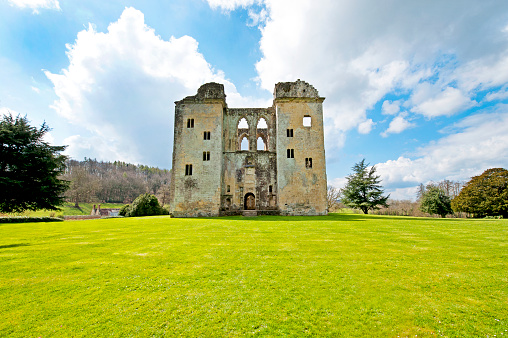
(249, 202)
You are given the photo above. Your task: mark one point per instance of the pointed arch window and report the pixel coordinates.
(244, 143)
(261, 144)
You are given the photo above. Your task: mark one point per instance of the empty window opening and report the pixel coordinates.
(206, 156)
(307, 121)
(262, 124)
(244, 145)
(206, 135)
(243, 124)
(190, 123)
(270, 188)
(261, 144)
(308, 162)
(289, 132)
(228, 188)
(291, 153)
(188, 170)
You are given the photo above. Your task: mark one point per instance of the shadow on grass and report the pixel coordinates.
(13, 245)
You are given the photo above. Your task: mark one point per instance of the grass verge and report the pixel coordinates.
(338, 275)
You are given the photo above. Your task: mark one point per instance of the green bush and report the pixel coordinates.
(146, 205)
(124, 211)
(24, 219)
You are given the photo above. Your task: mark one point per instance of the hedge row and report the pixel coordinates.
(26, 219)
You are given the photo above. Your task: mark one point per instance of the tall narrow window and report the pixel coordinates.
(308, 162)
(206, 156)
(190, 123)
(270, 188)
(188, 170)
(291, 153)
(244, 145)
(206, 135)
(229, 188)
(307, 121)
(261, 144)
(289, 132)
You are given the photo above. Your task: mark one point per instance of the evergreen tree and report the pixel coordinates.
(29, 167)
(435, 202)
(362, 190)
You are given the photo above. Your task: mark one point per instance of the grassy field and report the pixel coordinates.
(68, 209)
(339, 275)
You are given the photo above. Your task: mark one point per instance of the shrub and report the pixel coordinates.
(124, 210)
(146, 205)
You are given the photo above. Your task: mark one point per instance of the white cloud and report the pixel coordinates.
(36, 4)
(390, 108)
(480, 142)
(447, 102)
(229, 5)
(366, 126)
(355, 53)
(120, 85)
(397, 126)
(257, 17)
(497, 95)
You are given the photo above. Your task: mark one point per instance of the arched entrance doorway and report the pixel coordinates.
(249, 202)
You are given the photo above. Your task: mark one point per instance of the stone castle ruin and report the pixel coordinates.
(274, 164)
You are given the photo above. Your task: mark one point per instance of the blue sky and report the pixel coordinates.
(418, 88)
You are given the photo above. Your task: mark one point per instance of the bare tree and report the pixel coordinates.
(332, 197)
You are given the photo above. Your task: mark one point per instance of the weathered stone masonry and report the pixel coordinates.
(213, 176)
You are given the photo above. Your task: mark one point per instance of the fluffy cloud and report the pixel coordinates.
(390, 108)
(447, 102)
(120, 85)
(475, 144)
(397, 126)
(229, 5)
(357, 52)
(36, 4)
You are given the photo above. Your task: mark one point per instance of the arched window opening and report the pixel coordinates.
(262, 124)
(261, 144)
(243, 124)
(244, 145)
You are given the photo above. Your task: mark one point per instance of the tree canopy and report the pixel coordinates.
(29, 167)
(362, 190)
(485, 195)
(435, 201)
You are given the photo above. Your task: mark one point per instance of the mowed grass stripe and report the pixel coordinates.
(338, 275)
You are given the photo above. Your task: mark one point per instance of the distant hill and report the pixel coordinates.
(114, 182)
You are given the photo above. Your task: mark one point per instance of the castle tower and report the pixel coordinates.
(197, 153)
(301, 168)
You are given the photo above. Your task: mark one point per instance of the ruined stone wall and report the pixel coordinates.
(199, 193)
(301, 178)
(249, 171)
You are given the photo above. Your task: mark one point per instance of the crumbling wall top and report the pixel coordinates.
(211, 90)
(295, 89)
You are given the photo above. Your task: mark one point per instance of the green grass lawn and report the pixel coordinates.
(340, 275)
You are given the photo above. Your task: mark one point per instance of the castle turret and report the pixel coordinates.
(301, 167)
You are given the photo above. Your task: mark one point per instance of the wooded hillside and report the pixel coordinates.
(114, 182)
